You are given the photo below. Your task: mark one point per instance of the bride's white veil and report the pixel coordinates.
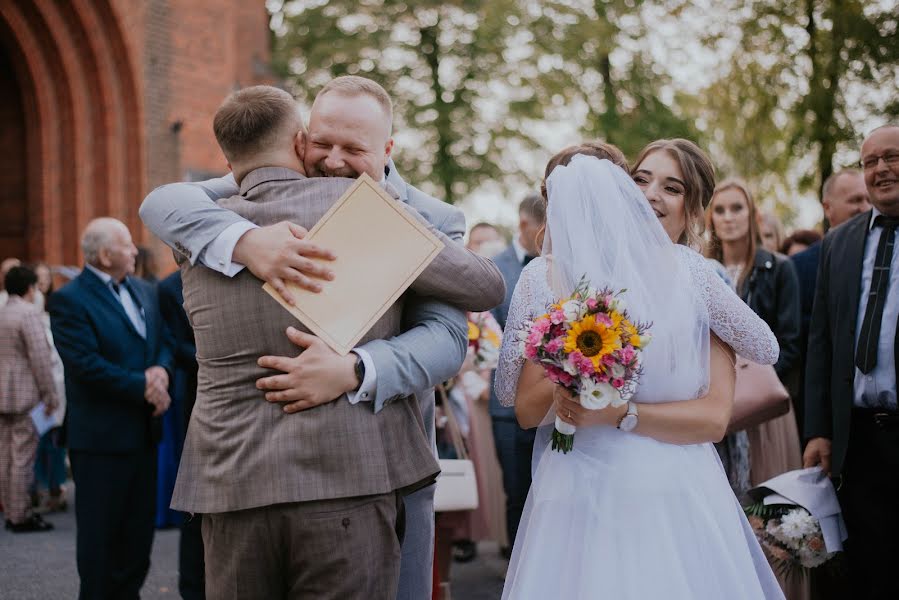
(600, 225)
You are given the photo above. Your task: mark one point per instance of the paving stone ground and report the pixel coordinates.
(41, 566)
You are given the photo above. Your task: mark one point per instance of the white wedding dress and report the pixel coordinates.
(625, 517)
(622, 516)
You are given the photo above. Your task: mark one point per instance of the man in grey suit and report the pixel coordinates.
(515, 445)
(347, 136)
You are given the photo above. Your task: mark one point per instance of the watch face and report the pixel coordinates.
(628, 422)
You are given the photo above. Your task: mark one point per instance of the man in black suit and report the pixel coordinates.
(515, 445)
(843, 196)
(191, 582)
(852, 417)
(115, 349)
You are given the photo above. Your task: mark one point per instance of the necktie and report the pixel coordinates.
(866, 351)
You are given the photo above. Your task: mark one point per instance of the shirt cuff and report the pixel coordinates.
(366, 391)
(217, 255)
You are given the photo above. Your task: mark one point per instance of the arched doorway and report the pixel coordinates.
(77, 116)
(13, 181)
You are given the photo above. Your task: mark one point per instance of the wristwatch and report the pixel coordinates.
(359, 370)
(628, 422)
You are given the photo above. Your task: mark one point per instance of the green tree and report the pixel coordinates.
(800, 82)
(443, 63)
(594, 55)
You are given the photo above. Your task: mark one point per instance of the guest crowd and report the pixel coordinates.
(118, 425)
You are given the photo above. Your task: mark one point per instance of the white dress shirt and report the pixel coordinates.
(132, 308)
(877, 389)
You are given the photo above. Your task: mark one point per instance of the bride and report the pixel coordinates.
(640, 508)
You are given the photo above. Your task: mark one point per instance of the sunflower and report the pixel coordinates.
(474, 332)
(593, 340)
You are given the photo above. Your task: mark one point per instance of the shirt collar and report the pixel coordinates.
(520, 252)
(106, 278)
(874, 214)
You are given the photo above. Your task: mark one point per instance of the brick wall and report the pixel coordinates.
(117, 97)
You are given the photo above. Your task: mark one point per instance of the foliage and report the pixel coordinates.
(802, 78)
(477, 84)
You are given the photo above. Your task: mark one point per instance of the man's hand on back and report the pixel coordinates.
(318, 375)
(278, 254)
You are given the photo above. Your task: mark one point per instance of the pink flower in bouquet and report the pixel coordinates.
(592, 304)
(554, 345)
(530, 352)
(557, 316)
(535, 339)
(618, 383)
(542, 326)
(627, 355)
(604, 319)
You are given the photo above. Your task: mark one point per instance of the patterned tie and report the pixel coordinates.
(868, 339)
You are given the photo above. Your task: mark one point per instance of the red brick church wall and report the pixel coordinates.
(115, 97)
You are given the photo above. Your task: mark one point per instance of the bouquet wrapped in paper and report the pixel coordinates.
(797, 519)
(589, 344)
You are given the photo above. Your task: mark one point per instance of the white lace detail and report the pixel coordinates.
(729, 317)
(530, 298)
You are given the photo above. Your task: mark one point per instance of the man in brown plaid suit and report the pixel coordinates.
(307, 505)
(26, 380)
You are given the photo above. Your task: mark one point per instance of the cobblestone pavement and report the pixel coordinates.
(41, 566)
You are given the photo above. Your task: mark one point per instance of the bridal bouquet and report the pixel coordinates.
(484, 340)
(588, 344)
(789, 535)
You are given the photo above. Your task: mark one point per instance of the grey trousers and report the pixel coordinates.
(417, 565)
(343, 549)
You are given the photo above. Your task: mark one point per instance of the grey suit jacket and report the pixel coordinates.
(242, 452)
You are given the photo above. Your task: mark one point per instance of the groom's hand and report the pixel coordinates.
(316, 376)
(278, 254)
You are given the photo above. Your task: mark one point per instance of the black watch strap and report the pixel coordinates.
(359, 370)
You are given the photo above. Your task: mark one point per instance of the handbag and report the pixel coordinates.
(759, 396)
(457, 487)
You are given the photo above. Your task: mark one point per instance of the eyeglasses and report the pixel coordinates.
(890, 158)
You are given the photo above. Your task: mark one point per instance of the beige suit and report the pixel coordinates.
(26, 379)
(243, 453)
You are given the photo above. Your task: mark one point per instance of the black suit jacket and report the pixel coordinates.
(184, 383)
(105, 359)
(830, 367)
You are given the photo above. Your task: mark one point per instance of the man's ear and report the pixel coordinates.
(230, 168)
(103, 255)
(388, 148)
(299, 145)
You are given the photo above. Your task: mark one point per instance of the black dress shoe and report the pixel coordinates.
(30, 525)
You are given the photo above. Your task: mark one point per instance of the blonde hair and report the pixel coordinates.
(714, 249)
(353, 85)
(252, 120)
(699, 180)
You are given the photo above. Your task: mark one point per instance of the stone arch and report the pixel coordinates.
(79, 100)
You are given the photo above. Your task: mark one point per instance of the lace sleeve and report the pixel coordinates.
(730, 318)
(511, 359)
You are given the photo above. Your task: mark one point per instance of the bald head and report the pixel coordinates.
(880, 160)
(107, 246)
(843, 196)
